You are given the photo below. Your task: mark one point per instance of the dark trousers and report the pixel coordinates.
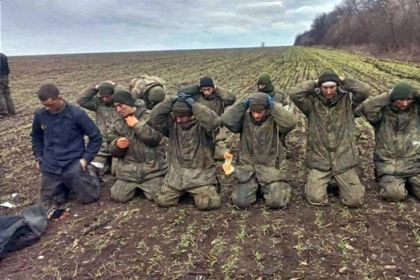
(84, 183)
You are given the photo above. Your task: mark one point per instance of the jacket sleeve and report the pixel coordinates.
(87, 100)
(146, 133)
(228, 97)
(160, 116)
(372, 109)
(37, 135)
(302, 96)
(207, 118)
(360, 90)
(281, 97)
(90, 129)
(284, 119)
(233, 118)
(112, 138)
(193, 90)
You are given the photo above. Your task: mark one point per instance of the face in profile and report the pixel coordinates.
(123, 109)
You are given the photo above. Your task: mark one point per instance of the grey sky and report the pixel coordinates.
(67, 26)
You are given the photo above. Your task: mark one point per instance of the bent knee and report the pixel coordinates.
(208, 202)
(393, 193)
(163, 201)
(279, 198)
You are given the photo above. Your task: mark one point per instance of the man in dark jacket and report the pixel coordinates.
(58, 145)
(6, 102)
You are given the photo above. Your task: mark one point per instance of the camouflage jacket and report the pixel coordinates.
(139, 86)
(191, 145)
(278, 96)
(260, 149)
(397, 136)
(145, 158)
(104, 113)
(218, 101)
(331, 140)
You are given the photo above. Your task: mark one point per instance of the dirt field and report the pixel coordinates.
(139, 240)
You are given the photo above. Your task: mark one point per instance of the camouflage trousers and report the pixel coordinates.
(275, 194)
(6, 102)
(221, 145)
(84, 183)
(205, 197)
(394, 188)
(124, 191)
(351, 190)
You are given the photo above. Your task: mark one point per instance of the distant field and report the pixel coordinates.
(139, 240)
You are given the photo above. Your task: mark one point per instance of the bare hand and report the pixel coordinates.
(38, 166)
(131, 121)
(83, 163)
(96, 87)
(316, 81)
(111, 82)
(123, 143)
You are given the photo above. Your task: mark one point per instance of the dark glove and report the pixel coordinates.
(246, 102)
(183, 96)
(270, 100)
(189, 101)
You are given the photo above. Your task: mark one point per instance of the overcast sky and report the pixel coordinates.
(73, 26)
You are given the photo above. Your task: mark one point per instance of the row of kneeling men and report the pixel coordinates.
(166, 146)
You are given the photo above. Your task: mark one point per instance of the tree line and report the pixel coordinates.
(384, 25)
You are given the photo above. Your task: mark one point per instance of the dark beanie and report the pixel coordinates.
(401, 90)
(328, 75)
(258, 101)
(181, 109)
(106, 88)
(206, 82)
(123, 97)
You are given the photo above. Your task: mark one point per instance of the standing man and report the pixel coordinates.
(150, 89)
(331, 152)
(105, 112)
(395, 117)
(189, 126)
(58, 145)
(6, 103)
(217, 99)
(139, 148)
(261, 159)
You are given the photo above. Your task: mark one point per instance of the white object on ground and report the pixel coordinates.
(8, 205)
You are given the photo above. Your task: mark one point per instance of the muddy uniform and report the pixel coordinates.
(149, 89)
(397, 142)
(261, 158)
(6, 102)
(218, 101)
(143, 164)
(58, 145)
(331, 143)
(104, 114)
(191, 166)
